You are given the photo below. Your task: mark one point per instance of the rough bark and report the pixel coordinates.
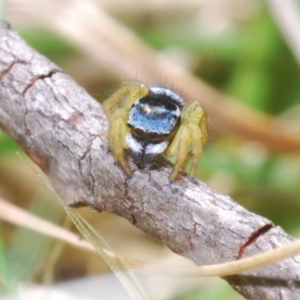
(63, 130)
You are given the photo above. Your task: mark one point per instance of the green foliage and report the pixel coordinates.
(258, 68)
(7, 145)
(209, 292)
(49, 44)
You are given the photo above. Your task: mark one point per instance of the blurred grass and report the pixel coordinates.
(7, 280)
(222, 291)
(253, 64)
(49, 44)
(259, 69)
(28, 250)
(7, 145)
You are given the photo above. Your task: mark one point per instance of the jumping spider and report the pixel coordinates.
(148, 121)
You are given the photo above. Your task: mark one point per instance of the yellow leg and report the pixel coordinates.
(203, 127)
(116, 138)
(135, 91)
(180, 148)
(110, 104)
(195, 118)
(196, 150)
(189, 139)
(130, 91)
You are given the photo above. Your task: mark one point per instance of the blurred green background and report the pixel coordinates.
(239, 50)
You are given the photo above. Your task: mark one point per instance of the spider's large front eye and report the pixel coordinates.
(147, 136)
(137, 132)
(154, 137)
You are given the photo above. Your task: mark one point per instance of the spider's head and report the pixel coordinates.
(152, 120)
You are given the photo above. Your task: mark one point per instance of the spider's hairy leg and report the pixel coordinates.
(130, 91)
(135, 90)
(179, 148)
(110, 104)
(189, 139)
(196, 147)
(203, 127)
(195, 118)
(117, 108)
(116, 137)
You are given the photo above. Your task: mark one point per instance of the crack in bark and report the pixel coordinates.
(86, 152)
(8, 69)
(126, 193)
(87, 155)
(253, 237)
(130, 200)
(42, 76)
(93, 180)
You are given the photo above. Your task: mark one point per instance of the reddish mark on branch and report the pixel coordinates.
(38, 159)
(40, 77)
(76, 118)
(253, 237)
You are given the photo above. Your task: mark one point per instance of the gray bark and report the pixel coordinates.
(63, 130)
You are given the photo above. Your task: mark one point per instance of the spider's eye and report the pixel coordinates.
(138, 132)
(147, 136)
(152, 135)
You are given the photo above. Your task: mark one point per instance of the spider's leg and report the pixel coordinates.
(116, 137)
(203, 128)
(189, 139)
(179, 148)
(118, 117)
(187, 159)
(110, 104)
(195, 119)
(130, 91)
(134, 91)
(196, 147)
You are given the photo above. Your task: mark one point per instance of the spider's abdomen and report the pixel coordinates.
(151, 120)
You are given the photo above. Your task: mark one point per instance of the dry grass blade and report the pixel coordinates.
(18, 216)
(287, 16)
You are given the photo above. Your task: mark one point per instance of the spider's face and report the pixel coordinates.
(151, 120)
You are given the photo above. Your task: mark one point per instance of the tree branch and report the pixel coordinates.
(63, 130)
